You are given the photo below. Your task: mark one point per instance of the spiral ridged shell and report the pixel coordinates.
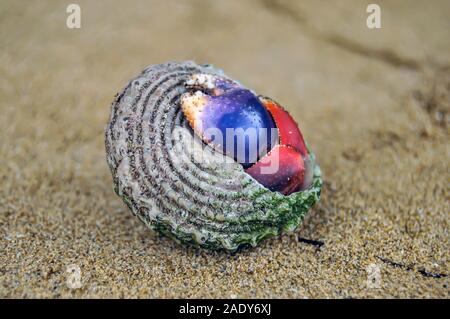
(179, 186)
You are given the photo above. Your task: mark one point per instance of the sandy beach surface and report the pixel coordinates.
(373, 105)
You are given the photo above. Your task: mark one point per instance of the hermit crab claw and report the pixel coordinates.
(254, 130)
(228, 117)
(288, 167)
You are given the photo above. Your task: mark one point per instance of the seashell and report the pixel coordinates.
(182, 184)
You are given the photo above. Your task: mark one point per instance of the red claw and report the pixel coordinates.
(284, 168)
(288, 130)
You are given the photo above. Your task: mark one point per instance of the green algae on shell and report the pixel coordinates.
(178, 186)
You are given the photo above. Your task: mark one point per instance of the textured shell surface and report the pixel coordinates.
(181, 187)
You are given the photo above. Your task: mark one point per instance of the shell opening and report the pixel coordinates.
(255, 131)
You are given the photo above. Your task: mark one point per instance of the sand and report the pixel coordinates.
(373, 105)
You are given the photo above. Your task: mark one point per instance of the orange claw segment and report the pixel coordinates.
(282, 169)
(288, 130)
